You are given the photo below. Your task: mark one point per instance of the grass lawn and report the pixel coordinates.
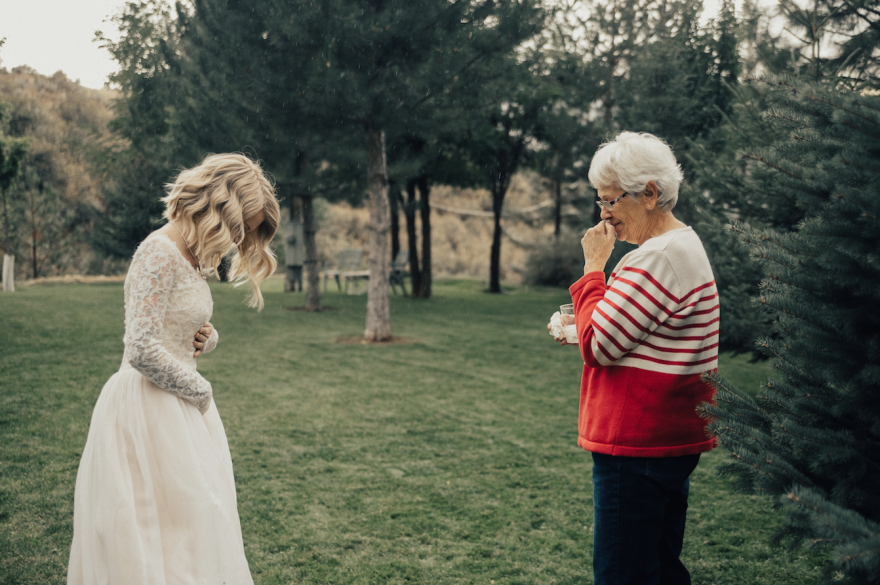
(448, 460)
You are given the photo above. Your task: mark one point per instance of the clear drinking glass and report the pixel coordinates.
(570, 330)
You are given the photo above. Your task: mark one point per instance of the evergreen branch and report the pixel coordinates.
(762, 470)
(770, 258)
(788, 119)
(781, 406)
(778, 243)
(764, 302)
(813, 359)
(803, 438)
(464, 68)
(871, 551)
(772, 166)
(872, 170)
(841, 107)
(859, 129)
(733, 431)
(803, 502)
(747, 239)
(793, 285)
(794, 371)
(854, 10)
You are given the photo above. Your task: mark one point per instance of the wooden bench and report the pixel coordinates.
(346, 273)
(356, 277)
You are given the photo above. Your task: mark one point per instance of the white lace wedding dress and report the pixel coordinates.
(155, 496)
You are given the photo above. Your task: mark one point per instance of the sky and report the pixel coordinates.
(49, 35)
(52, 35)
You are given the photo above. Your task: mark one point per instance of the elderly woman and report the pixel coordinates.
(646, 336)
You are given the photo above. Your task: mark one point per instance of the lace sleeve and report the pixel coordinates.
(211, 343)
(151, 278)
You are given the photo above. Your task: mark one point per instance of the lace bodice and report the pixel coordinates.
(166, 303)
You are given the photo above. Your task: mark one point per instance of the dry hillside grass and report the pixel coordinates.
(66, 124)
(460, 242)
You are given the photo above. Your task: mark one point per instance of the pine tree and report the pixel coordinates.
(300, 72)
(857, 22)
(135, 175)
(811, 440)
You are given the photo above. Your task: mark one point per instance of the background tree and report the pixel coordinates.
(497, 143)
(857, 22)
(49, 226)
(65, 126)
(837, 40)
(12, 154)
(137, 169)
(391, 64)
(382, 68)
(436, 152)
(290, 85)
(811, 439)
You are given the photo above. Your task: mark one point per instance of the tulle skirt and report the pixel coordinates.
(155, 495)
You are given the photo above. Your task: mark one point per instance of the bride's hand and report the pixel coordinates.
(202, 336)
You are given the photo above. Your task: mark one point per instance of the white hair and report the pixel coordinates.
(630, 160)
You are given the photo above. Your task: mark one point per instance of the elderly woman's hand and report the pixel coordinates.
(202, 336)
(598, 243)
(566, 320)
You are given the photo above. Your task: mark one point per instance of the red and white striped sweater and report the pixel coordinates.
(646, 339)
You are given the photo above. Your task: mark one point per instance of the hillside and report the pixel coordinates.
(53, 203)
(460, 239)
(67, 124)
(70, 144)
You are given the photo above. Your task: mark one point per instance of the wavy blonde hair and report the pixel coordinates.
(210, 204)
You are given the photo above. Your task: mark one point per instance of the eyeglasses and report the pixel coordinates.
(609, 205)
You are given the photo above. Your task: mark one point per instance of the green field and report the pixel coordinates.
(448, 460)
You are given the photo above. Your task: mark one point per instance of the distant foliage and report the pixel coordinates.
(556, 261)
(55, 202)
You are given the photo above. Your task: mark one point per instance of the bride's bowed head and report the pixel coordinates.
(223, 203)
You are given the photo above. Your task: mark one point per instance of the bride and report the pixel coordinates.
(155, 496)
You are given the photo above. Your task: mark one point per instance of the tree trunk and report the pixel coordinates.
(409, 210)
(557, 228)
(294, 245)
(424, 290)
(378, 308)
(34, 229)
(608, 98)
(34, 264)
(393, 199)
(313, 278)
(313, 290)
(8, 258)
(8, 273)
(499, 189)
(7, 239)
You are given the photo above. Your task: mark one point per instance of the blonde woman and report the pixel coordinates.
(155, 497)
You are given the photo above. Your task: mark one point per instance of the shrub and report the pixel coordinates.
(557, 261)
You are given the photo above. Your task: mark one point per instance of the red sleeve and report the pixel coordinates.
(585, 295)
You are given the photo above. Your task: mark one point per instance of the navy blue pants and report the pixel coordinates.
(640, 507)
